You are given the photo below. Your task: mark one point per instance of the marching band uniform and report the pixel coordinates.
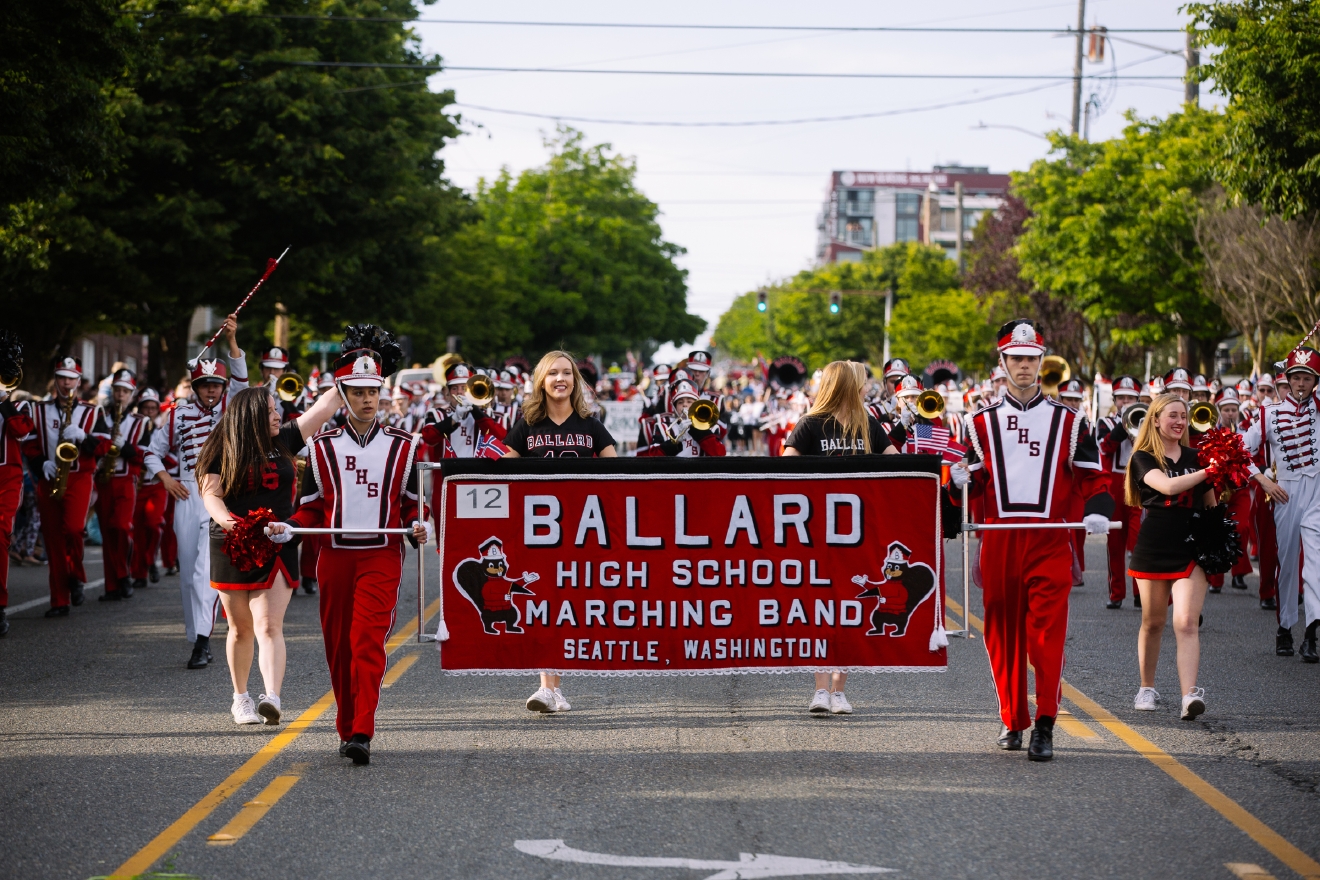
(506, 408)
(672, 434)
(1239, 509)
(1071, 394)
(186, 430)
(116, 491)
(1115, 451)
(1029, 460)
(358, 481)
(149, 508)
(1290, 432)
(15, 424)
(63, 519)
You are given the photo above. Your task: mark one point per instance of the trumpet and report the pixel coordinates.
(929, 404)
(703, 414)
(10, 383)
(1054, 371)
(1203, 416)
(1133, 415)
(480, 390)
(288, 386)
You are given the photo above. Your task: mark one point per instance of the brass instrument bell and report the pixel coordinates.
(288, 386)
(929, 404)
(1133, 415)
(1054, 371)
(1203, 416)
(703, 414)
(10, 383)
(480, 390)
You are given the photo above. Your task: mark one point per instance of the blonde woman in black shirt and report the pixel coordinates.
(838, 424)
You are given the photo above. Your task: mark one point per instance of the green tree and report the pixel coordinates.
(1112, 229)
(943, 325)
(1267, 62)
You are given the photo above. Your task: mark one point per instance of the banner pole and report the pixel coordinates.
(967, 565)
(421, 555)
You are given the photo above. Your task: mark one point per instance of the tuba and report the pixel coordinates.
(1203, 416)
(66, 453)
(1054, 371)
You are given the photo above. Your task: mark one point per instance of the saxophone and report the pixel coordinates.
(111, 460)
(66, 453)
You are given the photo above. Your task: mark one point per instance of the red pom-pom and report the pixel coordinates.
(1225, 459)
(246, 545)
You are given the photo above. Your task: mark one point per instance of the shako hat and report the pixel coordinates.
(123, 379)
(209, 370)
(68, 367)
(275, 358)
(1304, 360)
(1126, 385)
(1020, 337)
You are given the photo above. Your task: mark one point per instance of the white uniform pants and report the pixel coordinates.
(1297, 524)
(200, 599)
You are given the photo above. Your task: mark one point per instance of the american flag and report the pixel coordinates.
(935, 440)
(489, 447)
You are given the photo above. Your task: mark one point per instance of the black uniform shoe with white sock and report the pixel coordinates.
(1239, 582)
(1041, 747)
(1009, 740)
(61, 611)
(201, 654)
(76, 594)
(1283, 643)
(154, 573)
(309, 586)
(126, 588)
(358, 749)
(4, 623)
(1268, 604)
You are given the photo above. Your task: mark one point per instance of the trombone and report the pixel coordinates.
(703, 414)
(1133, 415)
(1203, 416)
(929, 404)
(288, 386)
(1054, 371)
(480, 391)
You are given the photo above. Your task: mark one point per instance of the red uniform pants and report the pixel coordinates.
(114, 510)
(359, 596)
(148, 515)
(62, 523)
(1026, 578)
(307, 556)
(1121, 541)
(1267, 541)
(169, 542)
(1239, 508)
(11, 495)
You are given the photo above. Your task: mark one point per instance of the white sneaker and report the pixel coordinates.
(820, 702)
(561, 704)
(1146, 699)
(243, 710)
(542, 701)
(268, 707)
(839, 704)
(1193, 704)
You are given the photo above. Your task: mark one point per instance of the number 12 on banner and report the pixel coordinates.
(483, 501)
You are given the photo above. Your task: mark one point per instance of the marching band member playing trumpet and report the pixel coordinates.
(15, 424)
(62, 454)
(1116, 451)
(126, 434)
(680, 431)
(1030, 456)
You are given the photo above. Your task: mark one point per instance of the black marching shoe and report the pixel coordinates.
(201, 654)
(1214, 589)
(139, 584)
(58, 611)
(1268, 604)
(1009, 740)
(1283, 643)
(1114, 604)
(1308, 651)
(358, 749)
(309, 586)
(172, 570)
(76, 594)
(154, 573)
(343, 748)
(110, 595)
(1239, 582)
(1041, 747)
(4, 623)
(126, 588)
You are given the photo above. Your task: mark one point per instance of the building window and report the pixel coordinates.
(860, 202)
(907, 210)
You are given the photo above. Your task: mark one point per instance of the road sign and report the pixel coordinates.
(322, 346)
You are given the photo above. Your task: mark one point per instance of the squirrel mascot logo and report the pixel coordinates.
(905, 586)
(484, 583)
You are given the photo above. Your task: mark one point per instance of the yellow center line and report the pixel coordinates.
(252, 812)
(143, 859)
(1230, 809)
(1247, 871)
(398, 669)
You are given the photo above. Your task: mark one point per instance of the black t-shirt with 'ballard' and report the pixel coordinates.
(577, 437)
(823, 435)
(1143, 463)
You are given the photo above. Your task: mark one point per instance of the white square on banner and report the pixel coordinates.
(482, 500)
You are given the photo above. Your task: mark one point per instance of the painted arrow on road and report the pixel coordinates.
(748, 866)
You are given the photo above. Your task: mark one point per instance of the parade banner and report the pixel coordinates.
(691, 567)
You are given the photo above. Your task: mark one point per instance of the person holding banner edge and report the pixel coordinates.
(1030, 457)
(838, 423)
(556, 423)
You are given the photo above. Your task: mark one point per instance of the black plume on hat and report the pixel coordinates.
(11, 353)
(379, 340)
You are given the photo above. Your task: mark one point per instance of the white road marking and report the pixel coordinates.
(749, 865)
(45, 600)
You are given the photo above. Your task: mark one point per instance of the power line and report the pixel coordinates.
(775, 74)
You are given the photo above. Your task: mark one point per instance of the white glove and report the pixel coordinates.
(75, 434)
(48, 469)
(907, 416)
(1096, 524)
(859, 579)
(430, 530)
(960, 476)
(461, 412)
(283, 536)
(682, 428)
(530, 577)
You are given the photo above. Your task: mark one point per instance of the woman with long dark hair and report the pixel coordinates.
(247, 464)
(838, 424)
(556, 423)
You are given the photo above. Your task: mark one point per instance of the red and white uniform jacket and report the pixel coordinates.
(1115, 444)
(356, 482)
(506, 414)
(131, 438)
(1288, 436)
(467, 437)
(46, 418)
(15, 425)
(693, 443)
(184, 433)
(1030, 461)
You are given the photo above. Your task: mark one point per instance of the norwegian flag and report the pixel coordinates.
(935, 440)
(489, 447)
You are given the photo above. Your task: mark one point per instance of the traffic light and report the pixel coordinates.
(760, 300)
(836, 301)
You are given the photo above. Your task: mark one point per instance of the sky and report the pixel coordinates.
(743, 201)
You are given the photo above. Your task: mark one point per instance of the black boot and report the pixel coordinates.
(4, 623)
(201, 654)
(1042, 740)
(126, 588)
(1268, 604)
(309, 586)
(1239, 582)
(76, 594)
(1010, 740)
(1308, 651)
(1283, 643)
(154, 573)
(358, 749)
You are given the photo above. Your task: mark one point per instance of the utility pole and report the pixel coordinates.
(889, 311)
(1192, 89)
(1077, 69)
(958, 222)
